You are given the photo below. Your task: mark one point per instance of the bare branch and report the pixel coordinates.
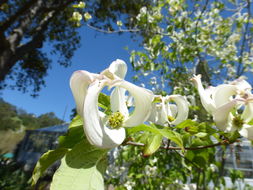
(5, 25)
(225, 142)
(112, 31)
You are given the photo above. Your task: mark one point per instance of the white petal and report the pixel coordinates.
(79, 82)
(95, 129)
(142, 98)
(222, 116)
(205, 97)
(242, 84)
(158, 114)
(173, 110)
(118, 101)
(247, 131)
(247, 114)
(159, 111)
(182, 107)
(210, 90)
(223, 94)
(119, 68)
(163, 115)
(130, 101)
(153, 116)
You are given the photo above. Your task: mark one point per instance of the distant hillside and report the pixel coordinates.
(13, 118)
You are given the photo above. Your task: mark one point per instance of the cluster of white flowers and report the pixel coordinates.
(107, 131)
(231, 105)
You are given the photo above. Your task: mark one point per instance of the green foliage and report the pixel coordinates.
(8, 116)
(152, 144)
(165, 132)
(80, 161)
(45, 161)
(48, 119)
(84, 165)
(164, 157)
(104, 103)
(235, 174)
(11, 176)
(15, 119)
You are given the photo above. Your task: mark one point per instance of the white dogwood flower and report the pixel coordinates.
(101, 130)
(227, 119)
(164, 112)
(231, 105)
(214, 97)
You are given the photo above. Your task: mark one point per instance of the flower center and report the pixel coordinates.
(116, 120)
(238, 122)
(170, 118)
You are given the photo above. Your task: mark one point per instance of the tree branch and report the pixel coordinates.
(225, 142)
(15, 51)
(18, 32)
(5, 25)
(112, 31)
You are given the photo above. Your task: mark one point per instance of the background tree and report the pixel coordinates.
(18, 119)
(27, 26)
(48, 119)
(8, 116)
(182, 38)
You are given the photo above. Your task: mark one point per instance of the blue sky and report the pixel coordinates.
(96, 53)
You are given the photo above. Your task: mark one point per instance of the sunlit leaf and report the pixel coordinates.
(72, 137)
(152, 144)
(165, 132)
(81, 168)
(77, 121)
(45, 161)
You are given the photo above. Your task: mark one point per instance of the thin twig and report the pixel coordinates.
(186, 148)
(112, 31)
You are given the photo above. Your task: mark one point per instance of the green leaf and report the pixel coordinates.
(81, 168)
(233, 136)
(45, 161)
(165, 132)
(250, 122)
(201, 134)
(72, 137)
(173, 136)
(104, 100)
(77, 121)
(141, 127)
(104, 103)
(186, 123)
(152, 144)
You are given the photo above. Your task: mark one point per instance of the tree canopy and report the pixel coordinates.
(18, 119)
(27, 27)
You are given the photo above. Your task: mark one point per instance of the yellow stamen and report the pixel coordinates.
(116, 120)
(170, 118)
(238, 122)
